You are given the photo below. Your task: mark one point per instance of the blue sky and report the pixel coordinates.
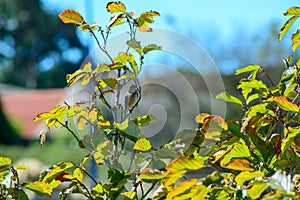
(189, 16)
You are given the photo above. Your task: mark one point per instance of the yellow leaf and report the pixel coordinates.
(142, 145)
(70, 16)
(182, 188)
(200, 118)
(113, 7)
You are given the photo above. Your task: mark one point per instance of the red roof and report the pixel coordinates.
(24, 105)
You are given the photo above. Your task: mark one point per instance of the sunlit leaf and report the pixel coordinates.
(142, 145)
(292, 11)
(39, 187)
(71, 16)
(144, 19)
(229, 98)
(200, 118)
(256, 189)
(122, 126)
(152, 174)
(4, 161)
(247, 176)
(248, 85)
(129, 195)
(144, 120)
(151, 47)
(296, 40)
(116, 20)
(102, 68)
(133, 64)
(284, 104)
(253, 97)
(97, 190)
(113, 7)
(86, 27)
(184, 163)
(284, 28)
(62, 167)
(182, 188)
(249, 68)
(238, 150)
(111, 82)
(239, 164)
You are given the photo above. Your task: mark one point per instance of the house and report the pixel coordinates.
(22, 105)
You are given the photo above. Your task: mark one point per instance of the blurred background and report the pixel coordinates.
(37, 51)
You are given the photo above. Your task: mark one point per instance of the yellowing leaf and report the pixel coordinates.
(122, 126)
(71, 16)
(284, 104)
(152, 174)
(229, 98)
(135, 45)
(292, 11)
(39, 187)
(111, 82)
(258, 187)
(284, 28)
(142, 145)
(200, 118)
(144, 19)
(113, 7)
(247, 176)
(4, 161)
(184, 163)
(151, 47)
(129, 195)
(181, 189)
(249, 68)
(62, 167)
(239, 164)
(97, 190)
(144, 120)
(214, 123)
(116, 20)
(296, 40)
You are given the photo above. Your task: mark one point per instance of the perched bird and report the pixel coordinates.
(132, 97)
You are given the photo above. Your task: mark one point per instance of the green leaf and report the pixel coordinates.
(284, 28)
(146, 18)
(296, 40)
(5, 161)
(133, 64)
(122, 126)
(152, 174)
(113, 7)
(292, 11)
(142, 145)
(71, 16)
(144, 120)
(111, 82)
(247, 176)
(284, 104)
(151, 47)
(97, 190)
(256, 189)
(229, 98)
(253, 97)
(249, 68)
(248, 85)
(135, 45)
(40, 188)
(22, 195)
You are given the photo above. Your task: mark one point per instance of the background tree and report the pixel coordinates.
(34, 51)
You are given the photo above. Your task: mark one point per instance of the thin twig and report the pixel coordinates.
(102, 49)
(103, 98)
(72, 132)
